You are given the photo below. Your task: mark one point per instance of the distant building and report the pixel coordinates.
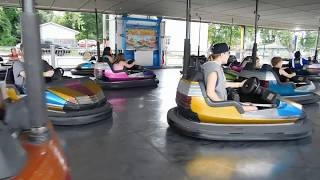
(58, 34)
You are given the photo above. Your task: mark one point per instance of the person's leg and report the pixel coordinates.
(249, 108)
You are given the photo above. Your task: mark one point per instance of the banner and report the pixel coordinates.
(141, 39)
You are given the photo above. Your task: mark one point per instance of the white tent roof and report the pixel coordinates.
(284, 14)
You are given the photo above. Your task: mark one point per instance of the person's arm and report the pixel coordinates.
(211, 87)
(125, 64)
(287, 75)
(48, 73)
(23, 74)
(234, 84)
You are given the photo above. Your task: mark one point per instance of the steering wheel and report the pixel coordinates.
(130, 61)
(251, 85)
(61, 70)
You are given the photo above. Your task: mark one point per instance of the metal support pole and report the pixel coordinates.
(243, 36)
(231, 32)
(186, 56)
(97, 32)
(33, 66)
(116, 35)
(317, 44)
(254, 49)
(53, 55)
(199, 37)
(104, 29)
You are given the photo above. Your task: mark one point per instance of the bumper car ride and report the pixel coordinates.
(302, 92)
(84, 69)
(110, 79)
(311, 71)
(74, 102)
(197, 116)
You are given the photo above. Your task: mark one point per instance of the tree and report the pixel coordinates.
(88, 27)
(286, 39)
(249, 37)
(267, 36)
(45, 16)
(308, 41)
(5, 30)
(219, 33)
(14, 16)
(71, 20)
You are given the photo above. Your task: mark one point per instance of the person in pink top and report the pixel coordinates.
(120, 63)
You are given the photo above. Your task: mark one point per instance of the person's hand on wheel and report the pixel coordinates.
(48, 73)
(242, 83)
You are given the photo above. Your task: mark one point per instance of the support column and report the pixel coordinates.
(186, 56)
(317, 44)
(243, 36)
(33, 66)
(97, 32)
(104, 29)
(255, 48)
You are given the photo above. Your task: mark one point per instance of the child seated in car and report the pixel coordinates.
(19, 74)
(284, 76)
(214, 78)
(120, 63)
(108, 54)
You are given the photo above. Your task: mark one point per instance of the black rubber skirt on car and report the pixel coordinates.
(304, 99)
(239, 132)
(128, 84)
(88, 116)
(82, 72)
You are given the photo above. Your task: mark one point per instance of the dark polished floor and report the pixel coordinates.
(138, 145)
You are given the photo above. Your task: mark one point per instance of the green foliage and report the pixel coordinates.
(286, 39)
(268, 36)
(219, 33)
(71, 20)
(5, 29)
(14, 16)
(88, 27)
(45, 16)
(308, 41)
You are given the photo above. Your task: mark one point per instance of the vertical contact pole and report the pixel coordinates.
(186, 56)
(116, 35)
(199, 37)
(317, 44)
(254, 49)
(97, 32)
(33, 66)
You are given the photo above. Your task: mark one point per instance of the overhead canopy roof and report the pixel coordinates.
(280, 14)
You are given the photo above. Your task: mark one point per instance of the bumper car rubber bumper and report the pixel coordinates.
(237, 132)
(313, 77)
(304, 99)
(128, 84)
(82, 72)
(81, 117)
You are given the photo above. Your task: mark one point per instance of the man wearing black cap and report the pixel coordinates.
(297, 62)
(215, 80)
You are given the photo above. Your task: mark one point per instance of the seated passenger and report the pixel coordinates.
(14, 56)
(276, 63)
(20, 75)
(215, 80)
(107, 53)
(120, 63)
(247, 63)
(297, 62)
